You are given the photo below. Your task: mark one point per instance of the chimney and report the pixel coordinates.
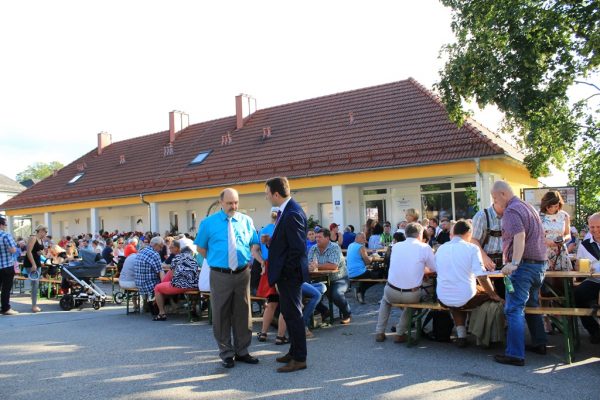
(244, 106)
(178, 121)
(104, 140)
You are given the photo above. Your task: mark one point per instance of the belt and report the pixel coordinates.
(404, 290)
(527, 261)
(229, 271)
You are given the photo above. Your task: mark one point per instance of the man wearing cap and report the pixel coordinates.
(8, 247)
(228, 240)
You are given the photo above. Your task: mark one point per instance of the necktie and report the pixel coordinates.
(231, 251)
(278, 216)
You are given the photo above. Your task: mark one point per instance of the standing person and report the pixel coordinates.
(586, 294)
(523, 244)
(8, 247)
(35, 247)
(288, 268)
(556, 223)
(228, 239)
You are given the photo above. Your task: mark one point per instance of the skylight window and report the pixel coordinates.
(200, 157)
(76, 178)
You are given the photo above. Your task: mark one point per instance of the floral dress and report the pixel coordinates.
(554, 227)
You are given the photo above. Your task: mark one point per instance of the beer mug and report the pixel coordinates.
(584, 265)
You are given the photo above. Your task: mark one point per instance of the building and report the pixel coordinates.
(371, 152)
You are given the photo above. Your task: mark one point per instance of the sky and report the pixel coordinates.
(72, 69)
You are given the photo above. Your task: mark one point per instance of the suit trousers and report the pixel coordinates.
(231, 314)
(290, 304)
(6, 281)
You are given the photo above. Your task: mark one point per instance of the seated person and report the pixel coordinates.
(127, 278)
(459, 266)
(356, 262)
(310, 239)
(184, 276)
(327, 256)
(375, 239)
(348, 236)
(314, 292)
(409, 261)
(57, 254)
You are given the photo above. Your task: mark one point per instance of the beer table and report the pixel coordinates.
(325, 276)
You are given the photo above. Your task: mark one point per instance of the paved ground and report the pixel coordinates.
(105, 354)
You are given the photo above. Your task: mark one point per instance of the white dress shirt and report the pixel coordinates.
(594, 263)
(408, 262)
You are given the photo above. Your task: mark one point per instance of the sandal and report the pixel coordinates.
(160, 317)
(279, 340)
(262, 336)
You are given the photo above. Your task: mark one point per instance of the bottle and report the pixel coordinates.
(508, 284)
(315, 261)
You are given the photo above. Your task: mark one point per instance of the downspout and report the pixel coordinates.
(479, 182)
(149, 211)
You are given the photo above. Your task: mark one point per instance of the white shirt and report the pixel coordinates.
(457, 263)
(408, 262)
(594, 264)
(128, 271)
(282, 206)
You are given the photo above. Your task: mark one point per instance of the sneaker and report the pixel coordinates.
(461, 342)
(10, 311)
(380, 337)
(346, 321)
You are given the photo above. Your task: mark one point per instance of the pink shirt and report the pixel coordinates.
(521, 217)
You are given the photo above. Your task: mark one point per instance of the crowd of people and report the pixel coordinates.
(509, 236)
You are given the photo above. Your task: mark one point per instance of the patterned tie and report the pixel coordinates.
(278, 216)
(231, 251)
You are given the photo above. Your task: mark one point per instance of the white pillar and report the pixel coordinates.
(485, 191)
(94, 220)
(337, 196)
(47, 222)
(154, 217)
(10, 225)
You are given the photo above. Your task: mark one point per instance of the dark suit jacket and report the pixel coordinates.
(287, 250)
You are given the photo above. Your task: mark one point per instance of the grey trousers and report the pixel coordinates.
(391, 296)
(231, 313)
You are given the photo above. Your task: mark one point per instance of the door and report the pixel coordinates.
(375, 210)
(326, 217)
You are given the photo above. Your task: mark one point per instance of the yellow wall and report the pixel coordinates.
(514, 172)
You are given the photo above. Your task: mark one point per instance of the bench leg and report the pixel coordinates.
(409, 338)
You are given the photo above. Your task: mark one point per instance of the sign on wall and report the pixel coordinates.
(569, 194)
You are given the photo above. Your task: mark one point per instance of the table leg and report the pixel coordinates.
(330, 298)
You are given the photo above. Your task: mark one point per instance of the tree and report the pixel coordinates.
(38, 171)
(526, 57)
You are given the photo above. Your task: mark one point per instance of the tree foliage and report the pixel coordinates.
(525, 56)
(38, 171)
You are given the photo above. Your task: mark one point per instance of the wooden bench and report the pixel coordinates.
(129, 295)
(562, 317)
(192, 298)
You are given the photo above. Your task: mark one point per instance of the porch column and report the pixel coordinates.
(337, 196)
(47, 222)
(10, 225)
(154, 217)
(94, 219)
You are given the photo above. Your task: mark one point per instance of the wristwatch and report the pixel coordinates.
(515, 263)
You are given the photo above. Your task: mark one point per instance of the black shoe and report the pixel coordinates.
(248, 359)
(503, 359)
(539, 349)
(228, 362)
(461, 342)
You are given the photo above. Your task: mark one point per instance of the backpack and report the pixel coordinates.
(441, 327)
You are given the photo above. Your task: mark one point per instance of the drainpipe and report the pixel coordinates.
(479, 182)
(149, 213)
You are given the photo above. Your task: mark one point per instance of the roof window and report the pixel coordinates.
(76, 178)
(199, 159)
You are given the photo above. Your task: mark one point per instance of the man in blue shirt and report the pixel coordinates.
(8, 248)
(228, 240)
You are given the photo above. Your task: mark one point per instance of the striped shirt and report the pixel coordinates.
(494, 244)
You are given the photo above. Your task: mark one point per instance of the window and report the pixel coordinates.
(200, 157)
(446, 200)
(76, 178)
(374, 191)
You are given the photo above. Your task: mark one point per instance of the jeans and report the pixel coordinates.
(338, 292)
(314, 291)
(6, 281)
(526, 280)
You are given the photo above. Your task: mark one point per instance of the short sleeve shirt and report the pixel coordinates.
(480, 227)
(213, 236)
(147, 268)
(6, 257)
(521, 217)
(331, 255)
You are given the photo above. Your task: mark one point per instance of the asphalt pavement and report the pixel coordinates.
(105, 354)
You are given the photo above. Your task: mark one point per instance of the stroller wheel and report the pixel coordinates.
(96, 305)
(118, 297)
(66, 302)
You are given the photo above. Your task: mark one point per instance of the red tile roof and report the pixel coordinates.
(395, 124)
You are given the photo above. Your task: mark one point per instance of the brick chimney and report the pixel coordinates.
(104, 140)
(245, 105)
(178, 121)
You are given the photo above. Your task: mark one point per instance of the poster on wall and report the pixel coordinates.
(534, 196)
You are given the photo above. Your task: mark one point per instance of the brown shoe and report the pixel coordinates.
(309, 334)
(379, 337)
(400, 338)
(284, 359)
(292, 366)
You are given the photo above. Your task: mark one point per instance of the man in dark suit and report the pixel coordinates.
(288, 268)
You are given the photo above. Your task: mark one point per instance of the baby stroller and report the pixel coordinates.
(76, 278)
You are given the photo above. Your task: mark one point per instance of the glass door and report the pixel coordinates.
(375, 210)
